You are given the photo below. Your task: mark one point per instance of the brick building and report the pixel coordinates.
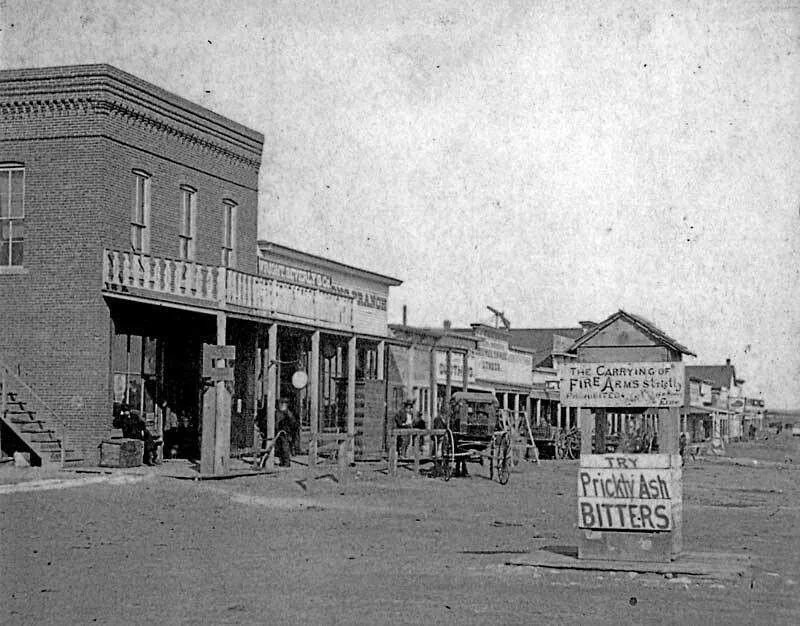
(128, 238)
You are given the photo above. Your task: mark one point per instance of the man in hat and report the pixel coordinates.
(404, 418)
(288, 442)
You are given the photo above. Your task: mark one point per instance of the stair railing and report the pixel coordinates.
(53, 421)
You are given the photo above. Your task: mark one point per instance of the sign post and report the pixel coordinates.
(629, 505)
(215, 441)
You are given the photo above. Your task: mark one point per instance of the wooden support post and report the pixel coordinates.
(448, 385)
(208, 429)
(432, 382)
(585, 423)
(313, 397)
(415, 444)
(465, 372)
(272, 377)
(392, 453)
(258, 372)
(341, 457)
(381, 359)
(351, 397)
(600, 429)
(668, 420)
(410, 380)
(538, 411)
(222, 443)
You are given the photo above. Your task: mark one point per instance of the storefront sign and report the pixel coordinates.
(293, 274)
(493, 362)
(627, 492)
(622, 384)
(310, 278)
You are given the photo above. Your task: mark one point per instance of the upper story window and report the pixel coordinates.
(12, 215)
(229, 210)
(140, 212)
(188, 229)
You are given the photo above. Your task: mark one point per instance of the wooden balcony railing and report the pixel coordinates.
(223, 288)
(170, 277)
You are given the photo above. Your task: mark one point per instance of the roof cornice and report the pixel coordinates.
(106, 90)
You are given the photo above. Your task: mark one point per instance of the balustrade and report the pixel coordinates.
(128, 270)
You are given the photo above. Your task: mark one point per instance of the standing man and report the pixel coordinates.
(404, 418)
(288, 443)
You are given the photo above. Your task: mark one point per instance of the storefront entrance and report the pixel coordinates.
(155, 372)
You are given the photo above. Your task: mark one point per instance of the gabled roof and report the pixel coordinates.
(542, 342)
(718, 375)
(642, 324)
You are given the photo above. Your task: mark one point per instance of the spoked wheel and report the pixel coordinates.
(561, 445)
(503, 458)
(573, 446)
(448, 455)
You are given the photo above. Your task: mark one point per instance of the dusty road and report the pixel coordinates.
(376, 550)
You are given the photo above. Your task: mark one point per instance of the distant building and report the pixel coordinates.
(549, 349)
(720, 415)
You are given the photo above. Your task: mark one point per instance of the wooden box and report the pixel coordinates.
(121, 453)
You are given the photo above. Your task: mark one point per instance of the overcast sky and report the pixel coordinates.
(556, 160)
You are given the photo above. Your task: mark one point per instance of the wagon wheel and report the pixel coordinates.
(574, 445)
(503, 458)
(447, 454)
(561, 445)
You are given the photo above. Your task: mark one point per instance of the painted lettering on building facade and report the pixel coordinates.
(622, 384)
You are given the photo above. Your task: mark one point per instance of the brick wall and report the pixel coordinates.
(79, 133)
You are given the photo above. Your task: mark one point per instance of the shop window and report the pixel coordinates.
(229, 229)
(12, 215)
(188, 228)
(134, 363)
(140, 212)
(423, 402)
(367, 363)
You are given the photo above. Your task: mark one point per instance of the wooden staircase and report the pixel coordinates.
(35, 424)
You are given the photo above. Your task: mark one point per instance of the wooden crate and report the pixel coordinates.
(121, 453)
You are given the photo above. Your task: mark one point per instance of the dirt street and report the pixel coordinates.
(375, 550)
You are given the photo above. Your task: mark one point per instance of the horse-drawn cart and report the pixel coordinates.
(556, 442)
(474, 434)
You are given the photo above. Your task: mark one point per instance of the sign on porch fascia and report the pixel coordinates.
(629, 492)
(646, 384)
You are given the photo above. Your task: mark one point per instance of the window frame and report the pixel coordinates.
(6, 264)
(141, 199)
(187, 238)
(229, 231)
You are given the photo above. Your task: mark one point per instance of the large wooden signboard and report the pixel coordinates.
(630, 506)
(622, 384)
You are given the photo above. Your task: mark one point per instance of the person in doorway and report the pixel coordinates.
(287, 444)
(404, 418)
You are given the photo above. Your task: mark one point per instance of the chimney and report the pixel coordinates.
(405, 315)
(727, 362)
(447, 324)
